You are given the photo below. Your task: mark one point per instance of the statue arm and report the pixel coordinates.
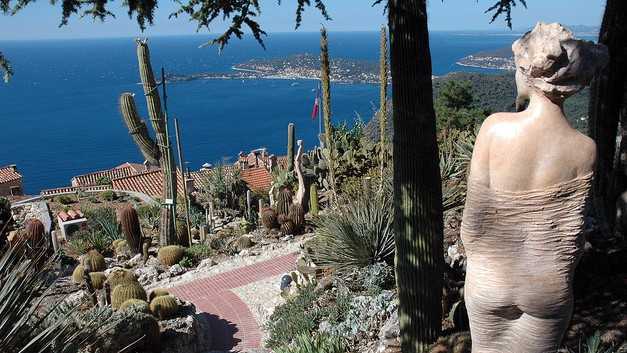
(480, 162)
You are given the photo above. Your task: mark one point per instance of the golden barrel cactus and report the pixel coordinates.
(77, 275)
(157, 292)
(94, 260)
(164, 307)
(171, 254)
(137, 304)
(125, 291)
(120, 276)
(97, 279)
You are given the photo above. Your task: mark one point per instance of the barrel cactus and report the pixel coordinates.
(284, 201)
(129, 222)
(157, 292)
(126, 291)
(120, 276)
(287, 227)
(182, 232)
(282, 218)
(77, 275)
(116, 243)
(297, 215)
(97, 279)
(94, 260)
(35, 231)
(137, 305)
(171, 254)
(164, 307)
(268, 218)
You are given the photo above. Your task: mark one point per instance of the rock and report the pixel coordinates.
(287, 237)
(108, 271)
(147, 275)
(206, 263)
(135, 261)
(244, 253)
(244, 242)
(176, 270)
(324, 283)
(153, 261)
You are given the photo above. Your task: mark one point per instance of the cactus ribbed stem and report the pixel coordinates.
(383, 96)
(138, 129)
(313, 199)
(326, 102)
(167, 229)
(290, 147)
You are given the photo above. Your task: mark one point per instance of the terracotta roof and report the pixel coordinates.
(70, 215)
(9, 173)
(282, 162)
(257, 179)
(149, 183)
(92, 178)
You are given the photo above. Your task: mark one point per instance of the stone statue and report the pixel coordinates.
(529, 181)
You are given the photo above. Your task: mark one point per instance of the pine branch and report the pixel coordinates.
(504, 7)
(5, 66)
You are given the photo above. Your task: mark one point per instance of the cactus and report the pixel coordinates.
(160, 148)
(157, 292)
(94, 261)
(326, 101)
(164, 307)
(116, 243)
(284, 201)
(290, 147)
(383, 96)
(97, 279)
(35, 231)
(120, 247)
(77, 274)
(129, 222)
(136, 304)
(182, 234)
(120, 276)
(269, 218)
(170, 255)
(313, 199)
(126, 291)
(282, 218)
(297, 215)
(287, 227)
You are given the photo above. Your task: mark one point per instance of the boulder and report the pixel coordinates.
(147, 275)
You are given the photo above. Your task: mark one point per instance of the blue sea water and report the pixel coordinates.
(59, 115)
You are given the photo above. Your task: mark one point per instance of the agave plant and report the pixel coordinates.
(455, 152)
(593, 344)
(359, 232)
(26, 278)
(104, 221)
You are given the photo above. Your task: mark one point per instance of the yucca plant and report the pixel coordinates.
(26, 328)
(321, 343)
(455, 149)
(593, 344)
(104, 220)
(359, 232)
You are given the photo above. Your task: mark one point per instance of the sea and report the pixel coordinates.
(59, 115)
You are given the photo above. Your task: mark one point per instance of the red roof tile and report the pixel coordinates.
(257, 179)
(92, 178)
(9, 173)
(149, 183)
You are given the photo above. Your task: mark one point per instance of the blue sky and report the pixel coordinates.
(40, 20)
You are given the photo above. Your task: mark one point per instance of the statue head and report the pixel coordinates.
(550, 61)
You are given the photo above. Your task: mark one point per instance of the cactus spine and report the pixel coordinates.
(126, 291)
(313, 199)
(164, 307)
(269, 218)
(290, 147)
(97, 279)
(326, 102)
(147, 145)
(120, 276)
(129, 221)
(77, 274)
(94, 261)
(297, 215)
(383, 96)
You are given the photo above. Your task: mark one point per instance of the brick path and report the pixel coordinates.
(233, 326)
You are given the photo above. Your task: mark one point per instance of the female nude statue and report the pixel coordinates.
(529, 181)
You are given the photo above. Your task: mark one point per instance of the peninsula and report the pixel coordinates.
(499, 59)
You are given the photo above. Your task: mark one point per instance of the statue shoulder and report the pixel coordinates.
(586, 148)
(493, 125)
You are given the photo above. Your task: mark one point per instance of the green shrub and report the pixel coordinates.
(198, 252)
(104, 220)
(103, 180)
(64, 199)
(108, 195)
(358, 233)
(149, 215)
(84, 240)
(322, 343)
(593, 344)
(186, 262)
(296, 317)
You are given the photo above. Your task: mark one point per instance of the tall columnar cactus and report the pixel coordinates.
(159, 148)
(129, 222)
(297, 215)
(35, 231)
(284, 201)
(383, 95)
(313, 199)
(326, 102)
(290, 147)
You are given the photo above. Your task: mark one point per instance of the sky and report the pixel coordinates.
(40, 19)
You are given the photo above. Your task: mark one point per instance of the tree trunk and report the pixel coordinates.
(608, 106)
(417, 189)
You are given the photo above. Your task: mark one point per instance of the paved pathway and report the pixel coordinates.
(233, 326)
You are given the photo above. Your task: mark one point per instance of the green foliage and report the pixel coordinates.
(224, 188)
(593, 344)
(197, 253)
(297, 316)
(358, 233)
(103, 219)
(64, 199)
(321, 343)
(103, 180)
(109, 195)
(149, 215)
(455, 152)
(454, 106)
(84, 240)
(186, 262)
(5, 66)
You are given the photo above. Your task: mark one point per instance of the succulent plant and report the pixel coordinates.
(129, 222)
(282, 218)
(117, 243)
(120, 276)
(290, 147)
(269, 218)
(313, 200)
(164, 307)
(94, 260)
(182, 233)
(77, 274)
(284, 200)
(171, 254)
(125, 291)
(297, 215)
(136, 304)
(121, 247)
(97, 279)
(287, 227)
(35, 231)
(157, 292)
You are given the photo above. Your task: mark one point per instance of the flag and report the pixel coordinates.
(316, 106)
